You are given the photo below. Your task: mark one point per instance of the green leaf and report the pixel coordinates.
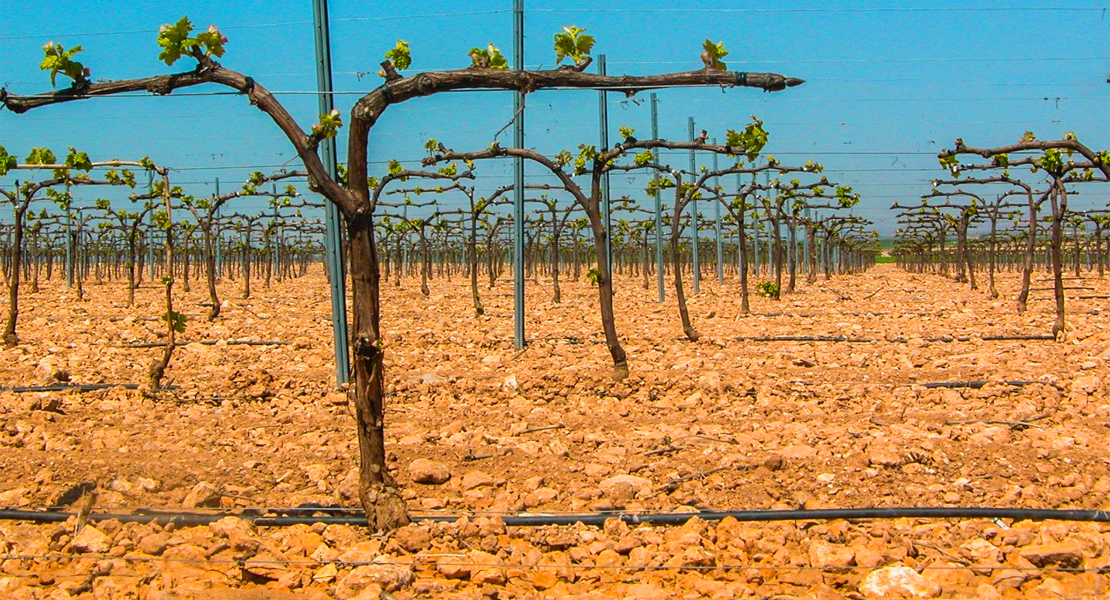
(768, 289)
(496, 59)
(490, 58)
(78, 160)
(750, 141)
(213, 41)
(175, 41)
(712, 55)
(573, 44)
(395, 167)
(175, 319)
(952, 163)
(57, 59)
(7, 161)
(400, 56)
(593, 275)
(626, 132)
(41, 156)
(328, 126)
(644, 157)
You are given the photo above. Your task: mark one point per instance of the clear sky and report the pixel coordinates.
(887, 84)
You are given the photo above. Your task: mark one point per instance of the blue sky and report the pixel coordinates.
(887, 84)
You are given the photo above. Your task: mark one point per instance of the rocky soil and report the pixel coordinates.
(478, 430)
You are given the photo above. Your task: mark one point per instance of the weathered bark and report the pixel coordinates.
(1059, 199)
(10, 336)
(679, 290)
(378, 493)
(210, 273)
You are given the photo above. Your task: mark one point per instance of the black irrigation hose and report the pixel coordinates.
(803, 338)
(975, 384)
(897, 340)
(87, 387)
(598, 519)
(206, 343)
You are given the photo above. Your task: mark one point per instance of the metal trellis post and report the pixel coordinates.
(333, 248)
(658, 202)
(518, 181)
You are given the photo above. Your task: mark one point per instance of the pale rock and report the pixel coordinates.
(324, 553)
(361, 552)
(1050, 589)
(824, 555)
(1067, 554)
(1087, 384)
(883, 456)
(15, 497)
(981, 552)
(987, 591)
(429, 379)
(897, 582)
(413, 538)
(340, 536)
(710, 381)
(91, 539)
(429, 472)
(453, 567)
(267, 565)
(476, 479)
(646, 591)
(691, 401)
(316, 472)
(486, 569)
(798, 452)
(326, 573)
(154, 544)
(640, 486)
(640, 557)
(389, 576)
(509, 384)
(203, 494)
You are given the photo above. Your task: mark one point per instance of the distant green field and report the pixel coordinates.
(884, 259)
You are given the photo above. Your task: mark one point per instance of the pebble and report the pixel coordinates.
(429, 472)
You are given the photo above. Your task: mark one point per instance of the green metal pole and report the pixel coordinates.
(69, 243)
(606, 209)
(333, 249)
(694, 215)
(150, 233)
(518, 181)
(717, 218)
(658, 203)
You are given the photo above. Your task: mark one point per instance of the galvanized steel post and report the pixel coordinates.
(518, 181)
(658, 202)
(333, 236)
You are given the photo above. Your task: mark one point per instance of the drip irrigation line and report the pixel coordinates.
(803, 338)
(88, 387)
(897, 340)
(598, 519)
(207, 343)
(430, 561)
(976, 384)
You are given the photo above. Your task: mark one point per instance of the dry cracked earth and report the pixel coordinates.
(874, 410)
